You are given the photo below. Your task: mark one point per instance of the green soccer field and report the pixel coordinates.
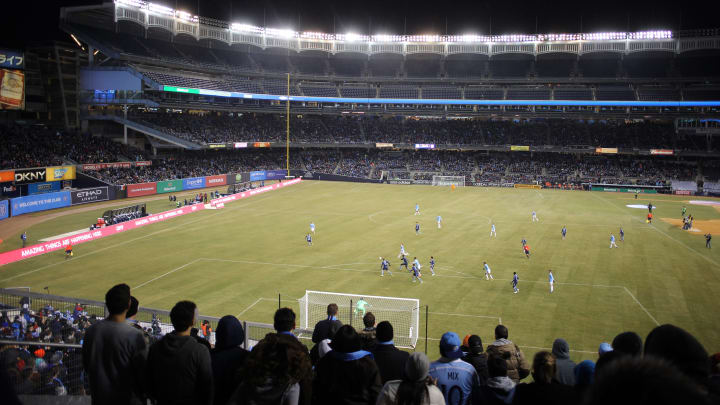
(238, 259)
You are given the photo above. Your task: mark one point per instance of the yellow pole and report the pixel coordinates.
(287, 134)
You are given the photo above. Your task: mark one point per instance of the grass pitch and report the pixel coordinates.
(238, 259)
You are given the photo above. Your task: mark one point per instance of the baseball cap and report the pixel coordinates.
(475, 344)
(450, 345)
(604, 348)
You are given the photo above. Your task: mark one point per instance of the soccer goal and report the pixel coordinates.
(402, 313)
(458, 181)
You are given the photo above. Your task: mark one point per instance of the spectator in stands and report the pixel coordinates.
(284, 324)
(715, 369)
(476, 357)
(389, 359)
(452, 372)
(272, 373)
(517, 367)
(326, 328)
(500, 388)
(416, 386)
(227, 358)
(367, 335)
(115, 379)
(629, 343)
(643, 381)
(584, 377)
(564, 367)
(348, 374)
(684, 352)
(544, 389)
(179, 370)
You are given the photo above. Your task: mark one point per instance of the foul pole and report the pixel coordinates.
(287, 132)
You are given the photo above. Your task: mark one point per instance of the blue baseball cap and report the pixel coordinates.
(604, 348)
(450, 345)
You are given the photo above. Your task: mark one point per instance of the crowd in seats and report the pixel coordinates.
(346, 365)
(39, 146)
(222, 127)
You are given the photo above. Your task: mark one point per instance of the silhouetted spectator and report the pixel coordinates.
(565, 368)
(389, 359)
(227, 358)
(477, 358)
(517, 367)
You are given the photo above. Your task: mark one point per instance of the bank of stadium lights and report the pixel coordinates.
(183, 15)
(245, 28)
(282, 33)
(160, 9)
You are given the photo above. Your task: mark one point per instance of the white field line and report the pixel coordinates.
(130, 241)
(370, 217)
(642, 306)
(664, 233)
(168, 273)
(246, 309)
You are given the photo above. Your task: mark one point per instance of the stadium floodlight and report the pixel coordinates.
(352, 37)
(133, 3)
(382, 38)
(160, 9)
(282, 33)
(245, 28)
(184, 15)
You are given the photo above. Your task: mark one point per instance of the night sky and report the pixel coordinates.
(402, 16)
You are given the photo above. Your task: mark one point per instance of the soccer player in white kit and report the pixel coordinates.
(312, 227)
(439, 221)
(402, 251)
(534, 217)
(417, 209)
(612, 241)
(492, 231)
(488, 274)
(551, 279)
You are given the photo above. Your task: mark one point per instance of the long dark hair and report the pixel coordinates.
(412, 392)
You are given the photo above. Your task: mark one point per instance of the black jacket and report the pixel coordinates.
(390, 361)
(479, 361)
(325, 330)
(545, 394)
(227, 358)
(179, 372)
(340, 382)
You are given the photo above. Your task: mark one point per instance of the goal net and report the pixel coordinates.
(402, 313)
(458, 181)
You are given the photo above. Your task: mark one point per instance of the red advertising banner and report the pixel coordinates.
(682, 192)
(261, 145)
(137, 190)
(58, 244)
(215, 180)
(7, 176)
(665, 152)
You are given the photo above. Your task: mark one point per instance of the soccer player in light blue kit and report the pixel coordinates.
(439, 221)
(457, 379)
(417, 209)
(416, 274)
(432, 265)
(551, 280)
(416, 263)
(515, 282)
(612, 241)
(492, 231)
(488, 273)
(312, 227)
(384, 266)
(417, 228)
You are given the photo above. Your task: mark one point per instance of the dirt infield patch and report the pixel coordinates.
(700, 227)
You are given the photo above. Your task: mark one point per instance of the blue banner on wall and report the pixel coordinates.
(48, 187)
(267, 175)
(40, 202)
(4, 209)
(193, 183)
(11, 59)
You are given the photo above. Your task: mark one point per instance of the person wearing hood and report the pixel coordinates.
(416, 386)
(544, 390)
(347, 375)
(584, 377)
(227, 357)
(564, 367)
(517, 366)
(475, 356)
(500, 389)
(178, 367)
(628, 343)
(458, 379)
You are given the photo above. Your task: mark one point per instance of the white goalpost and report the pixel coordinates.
(402, 313)
(458, 181)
